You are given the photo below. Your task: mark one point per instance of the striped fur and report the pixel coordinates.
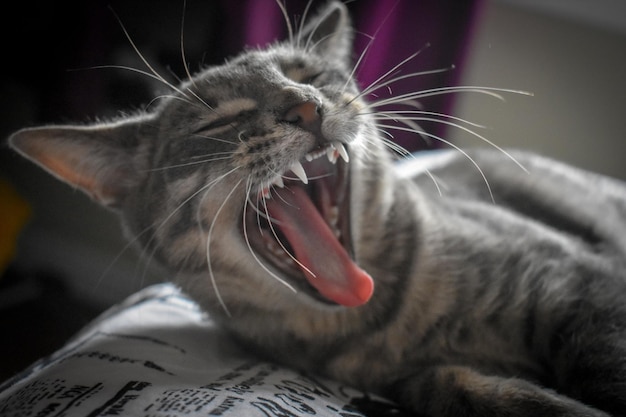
(505, 298)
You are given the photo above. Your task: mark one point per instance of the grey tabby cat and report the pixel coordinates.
(265, 185)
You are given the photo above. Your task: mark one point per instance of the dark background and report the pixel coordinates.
(72, 260)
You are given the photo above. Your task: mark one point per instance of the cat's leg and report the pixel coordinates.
(458, 391)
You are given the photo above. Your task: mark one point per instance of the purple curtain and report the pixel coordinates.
(402, 27)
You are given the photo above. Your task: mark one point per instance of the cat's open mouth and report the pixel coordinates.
(308, 240)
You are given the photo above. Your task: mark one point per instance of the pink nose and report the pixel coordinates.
(305, 114)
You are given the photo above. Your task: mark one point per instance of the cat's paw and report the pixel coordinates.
(453, 391)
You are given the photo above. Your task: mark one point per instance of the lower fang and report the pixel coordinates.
(332, 155)
(279, 182)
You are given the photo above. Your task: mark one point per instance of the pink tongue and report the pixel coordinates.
(337, 277)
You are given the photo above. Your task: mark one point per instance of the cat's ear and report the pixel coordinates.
(103, 160)
(330, 33)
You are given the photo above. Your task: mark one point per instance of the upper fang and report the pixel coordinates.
(331, 154)
(299, 171)
(342, 151)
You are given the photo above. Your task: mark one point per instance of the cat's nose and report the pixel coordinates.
(306, 115)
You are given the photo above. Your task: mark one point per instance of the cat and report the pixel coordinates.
(455, 284)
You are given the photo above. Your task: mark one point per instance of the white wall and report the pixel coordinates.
(575, 67)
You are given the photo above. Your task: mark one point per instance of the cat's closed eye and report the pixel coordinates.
(311, 78)
(218, 123)
(302, 75)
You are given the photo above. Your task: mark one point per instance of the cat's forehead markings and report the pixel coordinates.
(235, 106)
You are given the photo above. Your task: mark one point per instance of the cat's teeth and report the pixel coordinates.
(299, 171)
(265, 193)
(278, 181)
(342, 151)
(331, 154)
(314, 155)
(333, 216)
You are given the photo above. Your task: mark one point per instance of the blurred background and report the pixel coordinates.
(65, 259)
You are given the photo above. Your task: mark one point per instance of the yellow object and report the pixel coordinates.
(14, 213)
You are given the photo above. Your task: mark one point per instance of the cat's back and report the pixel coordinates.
(533, 221)
(527, 188)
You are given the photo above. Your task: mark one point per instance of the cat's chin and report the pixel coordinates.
(273, 245)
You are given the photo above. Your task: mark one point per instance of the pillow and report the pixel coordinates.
(157, 354)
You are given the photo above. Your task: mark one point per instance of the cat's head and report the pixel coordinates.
(278, 134)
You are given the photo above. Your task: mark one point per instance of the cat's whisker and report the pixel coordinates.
(187, 164)
(212, 154)
(452, 145)
(253, 253)
(388, 83)
(240, 136)
(131, 243)
(182, 45)
(154, 228)
(402, 113)
(372, 38)
(356, 66)
(200, 99)
(216, 139)
(303, 20)
(154, 72)
(204, 189)
(375, 84)
(280, 243)
(490, 91)
(258, 212)
(406, 154)
(169, 97)
(191, 79)
(218, 295)
(283, 10)
(410, 122)
(270, 220)
(149, 75)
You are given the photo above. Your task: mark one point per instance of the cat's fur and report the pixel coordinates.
(505, 298)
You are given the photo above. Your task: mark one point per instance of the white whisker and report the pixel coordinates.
(205, 188)
(372, 38)
(410, 122)
(170, 97)
(254, 255)
(212, 154)
(283, 10)
(143, 59)
(442, 140)
(357, 65)
(182, 45)
(387, 83)
(400, 113)
(491, 91)
(218, 295)
(186, 164)
(375, 86)
(144, 73)
(302, 22)
(270, 222)
(214, 138)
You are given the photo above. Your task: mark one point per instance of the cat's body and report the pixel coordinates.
(454, 295)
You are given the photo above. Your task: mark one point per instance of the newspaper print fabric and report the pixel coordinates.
(158, 355)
